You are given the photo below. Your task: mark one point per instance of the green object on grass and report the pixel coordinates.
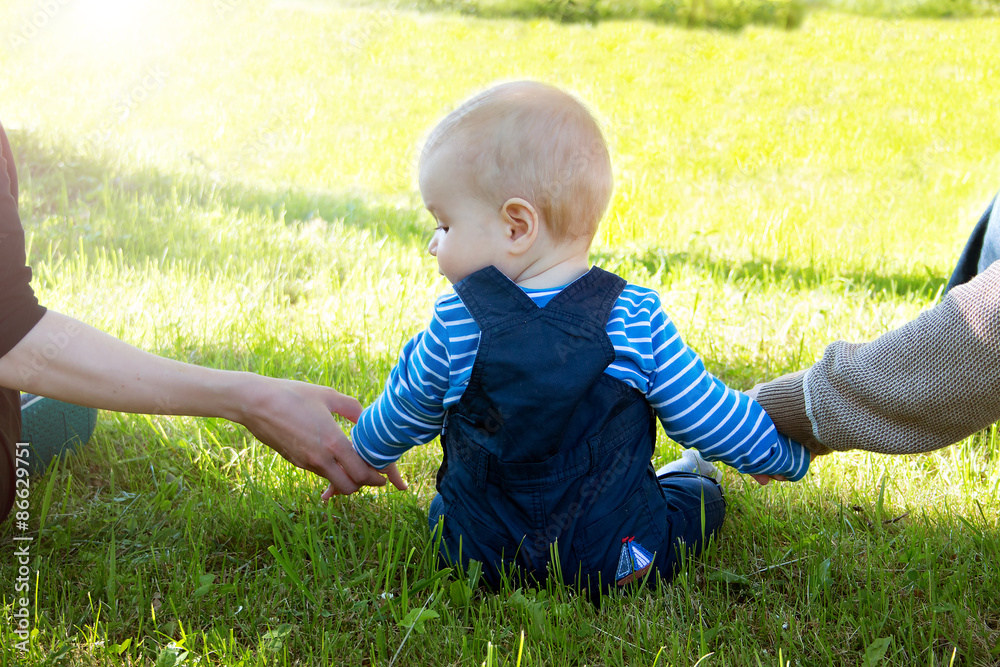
(52, 427)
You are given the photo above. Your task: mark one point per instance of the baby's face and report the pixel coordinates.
(469, 235)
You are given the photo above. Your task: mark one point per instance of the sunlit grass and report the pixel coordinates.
(233, 185)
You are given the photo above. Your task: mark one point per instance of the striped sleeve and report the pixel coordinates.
(411, 409)
(698, 410)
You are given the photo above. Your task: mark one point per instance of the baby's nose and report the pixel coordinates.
(432, 247)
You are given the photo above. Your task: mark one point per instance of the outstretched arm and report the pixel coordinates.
(699, 410)
(70, 361)
(410, 411)
(926, 385)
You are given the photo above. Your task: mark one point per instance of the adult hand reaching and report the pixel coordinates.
(294, 419)
(49, 354)
(87, 367)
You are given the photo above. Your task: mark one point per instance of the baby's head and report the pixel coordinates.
(515, 150)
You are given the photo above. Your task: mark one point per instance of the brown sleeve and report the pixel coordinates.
(19, 308)
(926, 385)
(784, 401)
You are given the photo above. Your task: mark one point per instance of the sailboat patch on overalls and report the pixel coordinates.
(633, 563)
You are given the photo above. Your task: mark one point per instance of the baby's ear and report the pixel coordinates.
(522, 221)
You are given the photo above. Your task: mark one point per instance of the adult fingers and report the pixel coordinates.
(330, 492)
(356, 470)
(340, 484)
(348, 471)
(345, 406)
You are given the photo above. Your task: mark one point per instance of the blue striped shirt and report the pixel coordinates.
(695, 408)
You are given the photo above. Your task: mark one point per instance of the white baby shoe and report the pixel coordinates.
(691, 461)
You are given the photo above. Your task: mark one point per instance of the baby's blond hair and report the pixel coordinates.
(530, 140)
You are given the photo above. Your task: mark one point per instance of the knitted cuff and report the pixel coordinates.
(784, 401)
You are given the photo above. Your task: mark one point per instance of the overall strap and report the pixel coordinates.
(490, 296)
(602, 290)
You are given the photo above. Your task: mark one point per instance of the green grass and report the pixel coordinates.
(233, 185)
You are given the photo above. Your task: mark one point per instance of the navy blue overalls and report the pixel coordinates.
(547, 458)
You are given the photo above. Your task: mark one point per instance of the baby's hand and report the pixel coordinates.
(393, 475)
(763, 480)
(390, 471)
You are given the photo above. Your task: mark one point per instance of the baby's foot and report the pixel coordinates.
(691, 461)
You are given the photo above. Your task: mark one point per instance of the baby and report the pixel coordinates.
(544, 376)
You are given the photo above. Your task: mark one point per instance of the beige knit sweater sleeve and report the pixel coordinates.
(926, 385)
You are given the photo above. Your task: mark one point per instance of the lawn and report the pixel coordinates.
(233, 184)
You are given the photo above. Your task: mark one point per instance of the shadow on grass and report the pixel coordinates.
(712, 14)
(658, 259)
(66, 184)
(73, 182)
(717, 14)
